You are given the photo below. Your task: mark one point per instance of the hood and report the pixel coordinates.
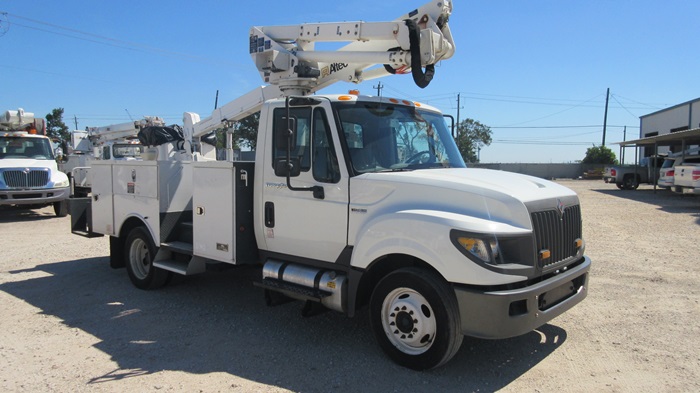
(22, 163)
(482, 193)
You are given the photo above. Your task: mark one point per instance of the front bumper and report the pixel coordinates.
(33, 196)
(509, 313)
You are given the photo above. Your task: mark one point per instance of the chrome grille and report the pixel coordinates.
(557, 233)
(26, 179)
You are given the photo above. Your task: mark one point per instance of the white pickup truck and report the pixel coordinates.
(686, 179)
(671, 163)
(29, 174)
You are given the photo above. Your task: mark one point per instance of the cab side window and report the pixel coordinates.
(302, 150)
(325, 160)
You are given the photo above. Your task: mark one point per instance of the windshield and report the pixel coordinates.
(127, 150)
(19, 147)
(386, 137)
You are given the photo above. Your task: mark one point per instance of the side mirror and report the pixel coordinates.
(284, 168)
(285, 133)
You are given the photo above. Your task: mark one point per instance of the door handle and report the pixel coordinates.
(269, 214)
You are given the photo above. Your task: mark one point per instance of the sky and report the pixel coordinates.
(536, 72)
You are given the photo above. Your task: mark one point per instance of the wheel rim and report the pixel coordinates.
(139, 258)
(408, 321)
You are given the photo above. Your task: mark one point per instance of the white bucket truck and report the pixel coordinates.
(113, 142)
(352, 200)
(29, 174)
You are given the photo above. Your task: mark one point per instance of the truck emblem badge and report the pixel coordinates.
(133, 175)
(560, 208)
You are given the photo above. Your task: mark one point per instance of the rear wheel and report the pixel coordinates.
(415, 318)
(630, 183)
(139, 252)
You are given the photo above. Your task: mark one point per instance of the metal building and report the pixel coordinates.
(677, 118)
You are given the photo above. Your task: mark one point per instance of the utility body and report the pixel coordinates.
(113, 142)
(29, 174)
(352, 201)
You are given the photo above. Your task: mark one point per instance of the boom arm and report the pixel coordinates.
(99, 135)
(285, 55)
(289, 64)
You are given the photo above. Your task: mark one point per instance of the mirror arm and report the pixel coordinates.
(317, 190)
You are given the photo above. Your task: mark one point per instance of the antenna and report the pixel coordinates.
(127, 112)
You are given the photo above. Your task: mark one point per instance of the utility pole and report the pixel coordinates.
(624, 138)
(458, 94)
(75, 118)
(605, 119)
(379, 88)
(216, 101)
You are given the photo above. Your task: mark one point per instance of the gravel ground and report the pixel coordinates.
(69, 323)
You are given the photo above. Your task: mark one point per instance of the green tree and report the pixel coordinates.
(245, 133)
(471, 137)
(599, 155)
(55, 127)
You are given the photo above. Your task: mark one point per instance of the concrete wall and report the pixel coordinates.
(545, 171)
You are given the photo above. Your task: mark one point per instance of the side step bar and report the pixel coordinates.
(177, 257)
(293, 290)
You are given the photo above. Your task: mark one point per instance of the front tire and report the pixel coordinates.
(61, 208)
(415, 318)
(139, 252)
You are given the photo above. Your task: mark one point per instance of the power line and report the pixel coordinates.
(544, 143)
(628, 111)
(103, 40)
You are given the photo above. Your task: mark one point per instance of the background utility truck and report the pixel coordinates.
(29, 175)
(351, 201)
(113, 142)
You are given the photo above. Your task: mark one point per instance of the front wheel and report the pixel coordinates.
(139, 252)
(415, 318)
(61, 208)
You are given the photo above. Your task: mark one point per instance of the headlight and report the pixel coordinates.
(485, 250)
(62, 183)
(495, 250)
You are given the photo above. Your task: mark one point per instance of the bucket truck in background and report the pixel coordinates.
(113, 142)
(353, 202)
(29, 174)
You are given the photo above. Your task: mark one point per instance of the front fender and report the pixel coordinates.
(425, 234)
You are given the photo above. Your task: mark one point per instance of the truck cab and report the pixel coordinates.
(29, 174)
